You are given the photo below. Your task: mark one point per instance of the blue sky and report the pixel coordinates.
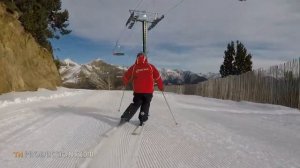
(84, 50)
(192, 36)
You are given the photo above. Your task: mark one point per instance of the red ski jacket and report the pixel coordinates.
(143, 75)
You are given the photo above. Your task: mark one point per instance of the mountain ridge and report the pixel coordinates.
(98, 74)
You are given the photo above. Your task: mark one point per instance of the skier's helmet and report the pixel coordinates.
(140, 54)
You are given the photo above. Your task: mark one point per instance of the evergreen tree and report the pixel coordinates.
(236, 60)
(227, 67)
(43, 19)
(248, 63)
(242, 62)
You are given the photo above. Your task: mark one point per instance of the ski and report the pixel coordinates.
(138, 130)
(111, 131)
(122, 121)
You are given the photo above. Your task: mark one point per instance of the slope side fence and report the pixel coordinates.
(278, 84)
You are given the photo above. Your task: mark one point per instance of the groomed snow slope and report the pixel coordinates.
(77, 128)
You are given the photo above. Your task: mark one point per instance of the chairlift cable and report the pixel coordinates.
(138, 5)
(174, 6)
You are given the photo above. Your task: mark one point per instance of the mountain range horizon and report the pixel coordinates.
(98, 74)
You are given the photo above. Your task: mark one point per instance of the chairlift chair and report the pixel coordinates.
(118, 51)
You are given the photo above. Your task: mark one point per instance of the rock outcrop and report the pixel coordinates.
(24, 64)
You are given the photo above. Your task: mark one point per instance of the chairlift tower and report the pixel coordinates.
(146, 18)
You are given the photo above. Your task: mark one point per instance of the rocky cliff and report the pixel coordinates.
(24, 65)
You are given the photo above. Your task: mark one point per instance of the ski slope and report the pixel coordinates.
(78, 129)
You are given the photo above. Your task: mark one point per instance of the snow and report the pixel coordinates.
(98, 59)
(70, 71)
(78, 128)
(17, 98)
(70, 62)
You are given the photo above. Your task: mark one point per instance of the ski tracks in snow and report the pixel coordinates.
(65, 124)
(206, 137)
(117, 149)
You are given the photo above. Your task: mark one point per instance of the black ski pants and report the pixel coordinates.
(142, 101)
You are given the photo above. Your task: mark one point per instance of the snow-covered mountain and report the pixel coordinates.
(180, 77)
(69, 71)
(101, 75)
(210, 75)
(94, 75)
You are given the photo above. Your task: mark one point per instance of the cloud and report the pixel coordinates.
(195, 33)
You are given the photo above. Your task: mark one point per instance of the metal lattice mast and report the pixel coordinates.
(145, 18)
(145, 34)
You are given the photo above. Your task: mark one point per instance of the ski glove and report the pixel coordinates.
(125, 81)
(161, 87)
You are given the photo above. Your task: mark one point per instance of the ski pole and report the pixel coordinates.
(121, 98)
(169, 108)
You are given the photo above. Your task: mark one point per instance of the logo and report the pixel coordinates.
(141, 70)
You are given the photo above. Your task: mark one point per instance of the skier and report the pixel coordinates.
(143, 76)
